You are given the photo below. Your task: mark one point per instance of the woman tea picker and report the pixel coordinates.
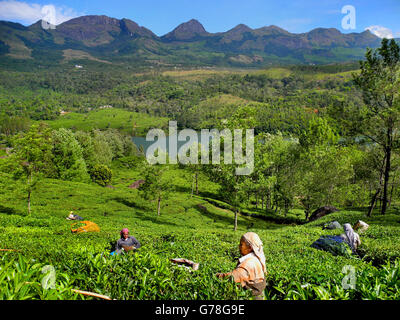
(126, 242)
(350, 237)
(339, 245)
(250, 270)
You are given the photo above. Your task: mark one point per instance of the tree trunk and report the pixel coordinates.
(192, 187)
(159, 206)
(29, 193)
(256, 200)
(236, 216)
(29, 202)
(373, 201)
(197, 184)
(392, 188)
(375, 196)
(386, 180)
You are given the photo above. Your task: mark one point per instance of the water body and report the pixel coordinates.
(141, 142)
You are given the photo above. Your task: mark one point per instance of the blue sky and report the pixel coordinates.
(162, 16)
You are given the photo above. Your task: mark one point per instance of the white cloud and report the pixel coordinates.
(12, 10)
(381, 32)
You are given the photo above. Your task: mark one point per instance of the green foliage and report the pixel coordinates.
(318, 133)
(181, 231)
(157, 186)
(32, 157)
(125, 121)
(33, 149)
(13, 125)
(101, 174)
(68, 158)
(21, 279)
(299, 165)
(379, 119)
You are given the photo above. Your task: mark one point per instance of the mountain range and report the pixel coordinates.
(105, 40)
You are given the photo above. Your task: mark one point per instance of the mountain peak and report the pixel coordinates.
(186, 31)
(132, 28)
(92, 20)
(270, 30)
(96, 30)
(325, 31)
(241, 28)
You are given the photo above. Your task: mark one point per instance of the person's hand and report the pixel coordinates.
(128, 248)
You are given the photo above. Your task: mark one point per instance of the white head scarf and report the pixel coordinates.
(254, 241)
(350, 234)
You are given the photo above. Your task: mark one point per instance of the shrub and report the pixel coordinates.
(101, 174)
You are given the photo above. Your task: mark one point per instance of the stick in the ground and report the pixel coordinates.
(92, 294)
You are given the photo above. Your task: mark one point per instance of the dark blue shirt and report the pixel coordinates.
(129, 242)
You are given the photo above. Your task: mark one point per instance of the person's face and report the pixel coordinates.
(244, 248)
(125, 235)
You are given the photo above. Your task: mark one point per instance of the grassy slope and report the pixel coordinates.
(182, 230)
(122, 120)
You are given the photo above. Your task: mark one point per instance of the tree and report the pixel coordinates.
(379, 81)
(33, 156)
(318, 132)
(68, 157)
(102, 149)
(324, 175)
(233, 186)
(194, 168)
(87, 145)
(13, 125)
(273, 154)
(156, 185)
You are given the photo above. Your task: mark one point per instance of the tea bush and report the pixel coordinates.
(83, 261)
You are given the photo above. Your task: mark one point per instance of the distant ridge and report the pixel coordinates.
(123, 41)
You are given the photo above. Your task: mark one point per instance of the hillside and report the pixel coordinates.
(67, 143)
(188, 227)
(104, 39)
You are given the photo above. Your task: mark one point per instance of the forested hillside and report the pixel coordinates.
(108, 41)
(325, 135)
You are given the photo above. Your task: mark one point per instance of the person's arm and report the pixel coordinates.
(118, 246)
(239, 275)
(135, 243)
(358, 240)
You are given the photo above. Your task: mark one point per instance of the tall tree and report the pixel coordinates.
(156, 185)
(33, 156)
(379, 81)
(233, 185)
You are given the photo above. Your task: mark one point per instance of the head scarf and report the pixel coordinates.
(350, 235)
(122, 231)
(254, 241)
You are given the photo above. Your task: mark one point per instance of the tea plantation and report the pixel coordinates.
(198, 228)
